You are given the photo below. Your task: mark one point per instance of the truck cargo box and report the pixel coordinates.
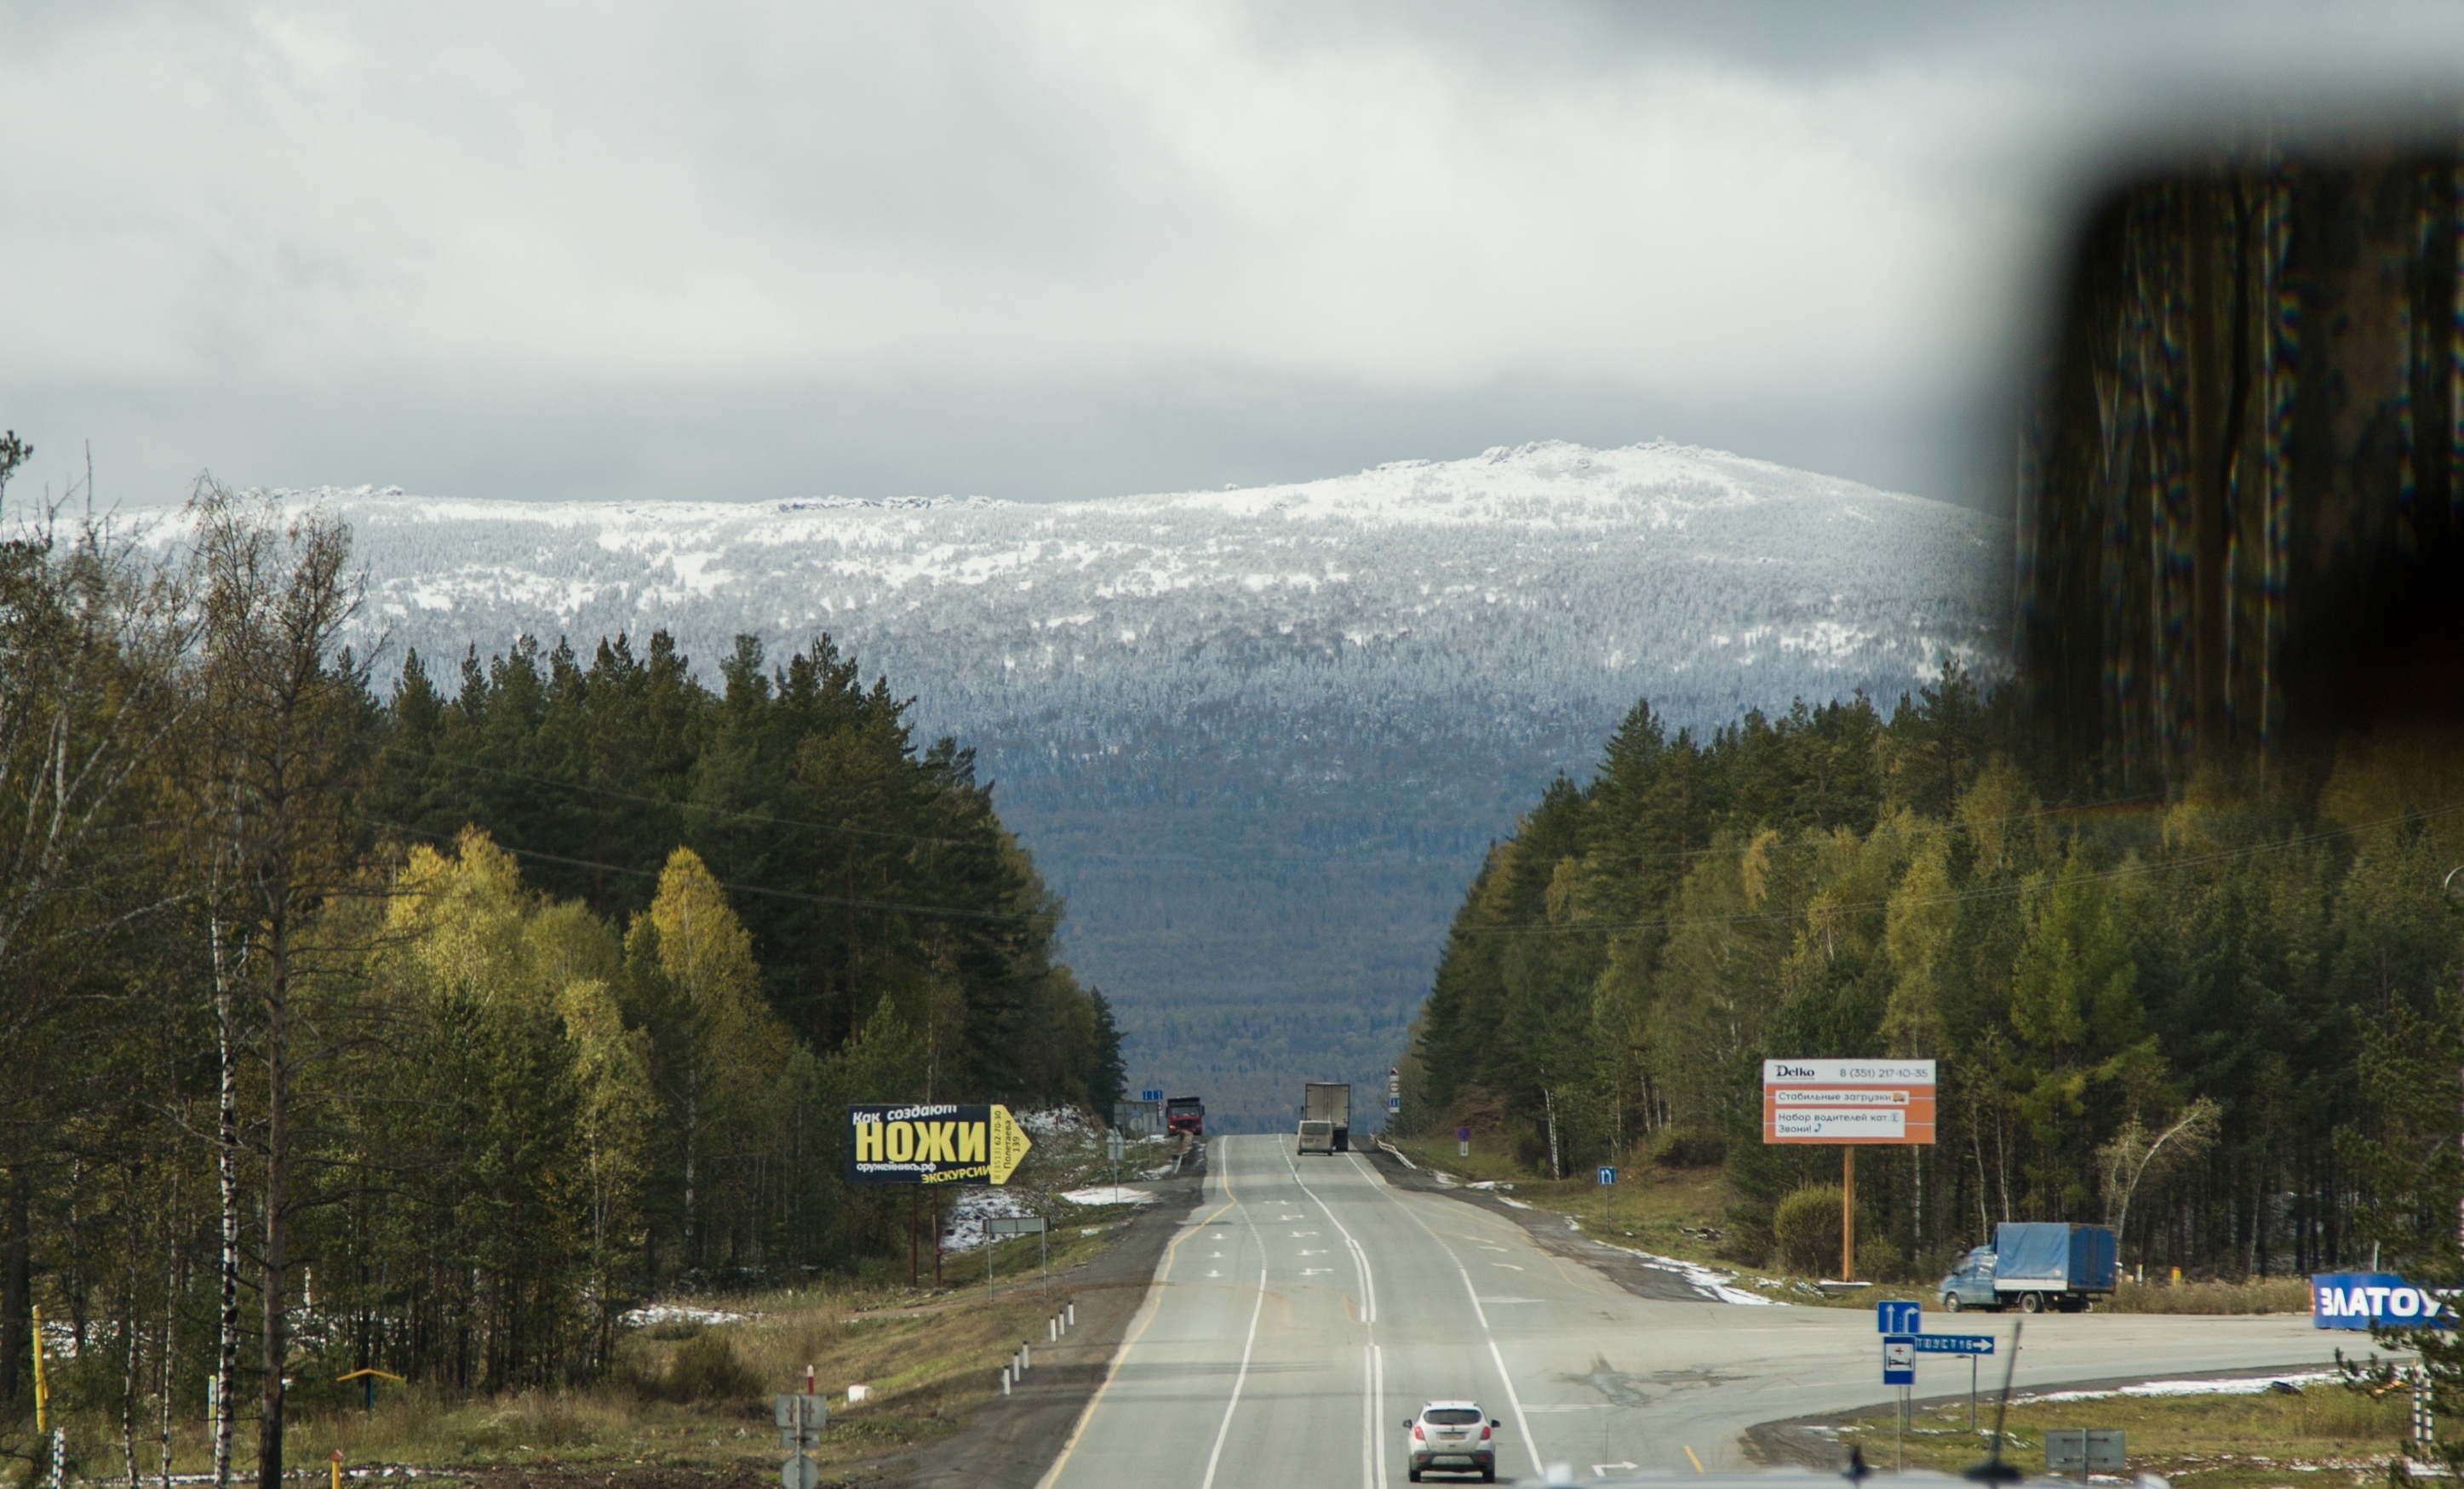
(2052, 1257)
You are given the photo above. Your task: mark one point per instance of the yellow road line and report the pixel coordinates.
(1698, 1462)
(1154, 1305)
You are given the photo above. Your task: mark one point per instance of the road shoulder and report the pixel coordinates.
(1009, 1442)
(1553, 1233)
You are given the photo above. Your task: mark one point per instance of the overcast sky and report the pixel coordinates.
(745, 251)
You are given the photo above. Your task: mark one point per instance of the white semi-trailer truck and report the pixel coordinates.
(1330, 1104)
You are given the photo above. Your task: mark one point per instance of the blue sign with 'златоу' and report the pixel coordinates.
(2367, 1300)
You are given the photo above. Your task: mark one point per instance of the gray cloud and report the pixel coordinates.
(632, 250)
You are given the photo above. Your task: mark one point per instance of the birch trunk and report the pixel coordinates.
(226, 1175)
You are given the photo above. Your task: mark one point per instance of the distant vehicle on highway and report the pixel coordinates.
(1185, 1116)
(1330, 1102)
(1315, 1137)
(2036, 1265)
(1454, 1436)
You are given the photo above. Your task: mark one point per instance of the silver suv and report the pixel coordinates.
(1454, 1436)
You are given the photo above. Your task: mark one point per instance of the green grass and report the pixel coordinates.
(2325, 1434)
(1679, 1213)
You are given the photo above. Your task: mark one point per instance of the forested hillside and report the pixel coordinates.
(428, 1031)
(2269, 977)
(1258, 739)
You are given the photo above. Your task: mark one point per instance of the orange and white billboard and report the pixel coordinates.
(1869, 1102)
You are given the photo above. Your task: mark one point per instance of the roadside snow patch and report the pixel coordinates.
(678, 1313)
(1719, 1285)
(1109, 1194)
(1055, 1122)
(2250, 1386)
(964, 1227)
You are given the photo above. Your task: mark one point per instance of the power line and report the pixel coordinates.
(839, 901)
(681, 807)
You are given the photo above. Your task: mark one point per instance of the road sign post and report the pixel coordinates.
(1608, 1193)
(1017, 1225)
(1968, 1345)
(801, 1417)
(1898, 1360)
(1463, 1142)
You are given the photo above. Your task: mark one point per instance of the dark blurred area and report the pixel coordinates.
(2240, 523)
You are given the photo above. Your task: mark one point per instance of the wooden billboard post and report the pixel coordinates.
(1851, 1103)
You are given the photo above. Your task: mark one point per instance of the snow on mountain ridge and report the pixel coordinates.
(1541, 523)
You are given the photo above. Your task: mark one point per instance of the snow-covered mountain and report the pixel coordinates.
(1258, 737)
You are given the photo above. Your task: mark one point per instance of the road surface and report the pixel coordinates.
(1308, 1308)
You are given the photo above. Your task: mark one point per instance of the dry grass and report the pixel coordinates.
(2325, 1433)
(2258, 1294)
(928, 1356)
(1671, 1212)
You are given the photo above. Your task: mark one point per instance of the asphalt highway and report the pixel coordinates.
(1308, 1308)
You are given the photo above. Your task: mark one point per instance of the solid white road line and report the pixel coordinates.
(1359, 1255)
(1377, 1409)
(1522, 1423)
(1368, 1416)
(1238, 1381)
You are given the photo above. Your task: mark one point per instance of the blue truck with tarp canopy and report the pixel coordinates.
(2036, 1265)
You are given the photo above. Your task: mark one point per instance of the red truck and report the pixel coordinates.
(1184, 1114)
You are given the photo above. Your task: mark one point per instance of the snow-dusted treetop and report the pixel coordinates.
(1550, 571)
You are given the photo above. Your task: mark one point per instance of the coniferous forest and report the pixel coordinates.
(431, 1031)
(2222, 1020)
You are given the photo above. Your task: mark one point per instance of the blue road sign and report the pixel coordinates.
(1608, 1175)
(1899, 1359)
(1151, 1096)
(1954, 1344)
(1897, 1317)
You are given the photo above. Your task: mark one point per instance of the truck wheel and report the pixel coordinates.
(1950, 1302)
(2032, 1303)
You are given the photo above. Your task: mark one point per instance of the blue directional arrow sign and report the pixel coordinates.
(1953, 1344)
(1901, 1317)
